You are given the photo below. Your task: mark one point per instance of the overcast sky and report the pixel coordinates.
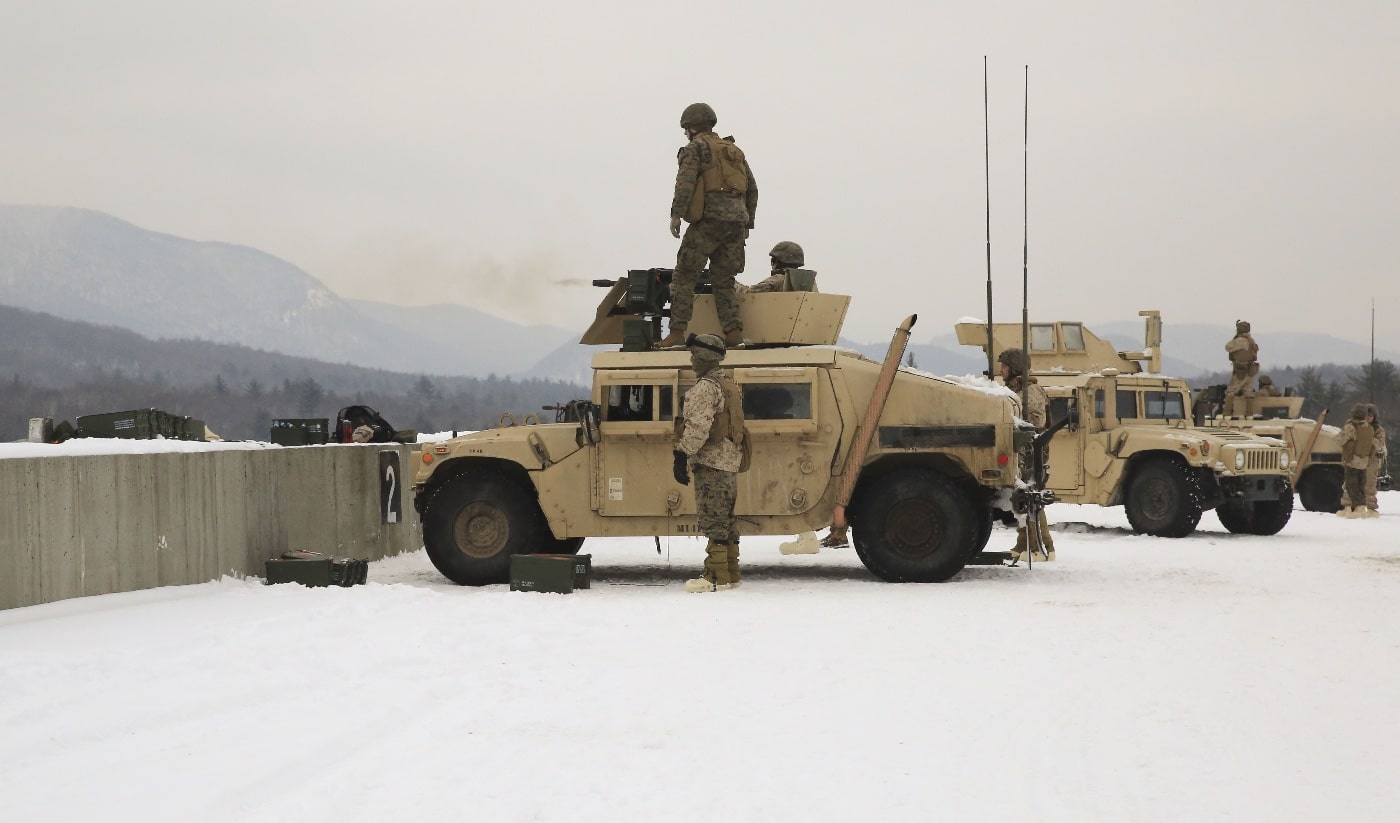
(1214, 160)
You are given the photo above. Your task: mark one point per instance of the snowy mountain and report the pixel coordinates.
(83, 265)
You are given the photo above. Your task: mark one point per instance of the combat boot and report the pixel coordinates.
(675, 337)
(1346, 511)
(715, 578)
(732, 562)
(1370, 512)
(734, 338)
(837, 538)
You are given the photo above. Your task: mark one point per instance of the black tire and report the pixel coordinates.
(984, 534)
(475, 522)
(1260, 517)
(1164, 499)
(915, 526)
(568, 545)
(1320, 489)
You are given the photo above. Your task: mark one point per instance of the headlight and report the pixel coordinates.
(1283, 460)
(1239, 458)
(1205, 448)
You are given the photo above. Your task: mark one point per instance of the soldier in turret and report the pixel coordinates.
(785, 260)
(1267, 387)
(1244, 363)
(1015, 371)
(717, 195)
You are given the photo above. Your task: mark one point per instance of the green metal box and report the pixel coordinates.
(316, 569)
(195, 429)
(136, 424)
(583, 567)
(543, 573)
(300, 431)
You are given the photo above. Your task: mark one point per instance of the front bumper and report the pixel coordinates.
(1251, 488)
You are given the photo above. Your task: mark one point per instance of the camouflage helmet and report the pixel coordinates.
(1265, 380)
(698, 115)
(1358, 412)
(705, 347)
(788, 253)
(1016, 360)
(1241, 327)
(1373, 411)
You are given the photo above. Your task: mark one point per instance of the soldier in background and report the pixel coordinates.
(785, 258)
(711, 433)
(1373, 466)
(1358, 446)
(1015, 371)
(717, 195)
(1244, 362)
(1267, 387)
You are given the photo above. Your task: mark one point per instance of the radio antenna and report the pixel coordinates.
(987, 172)
(1025, 241)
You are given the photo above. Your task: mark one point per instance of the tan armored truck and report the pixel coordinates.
(1315, 448)
(922, 487)
(1131, 443)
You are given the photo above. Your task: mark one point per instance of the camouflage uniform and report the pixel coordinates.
(786, 257)
(1035, 413)
(715, 459)
(1244, 361)
(1267, 387)
(1373, 465)
(717, 237)
(1358, 447)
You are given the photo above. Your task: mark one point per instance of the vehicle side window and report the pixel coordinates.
(640, 402)
(1126, 400)
(777, 401)
(1059, 409)
(1098, 403)
(1162, 405)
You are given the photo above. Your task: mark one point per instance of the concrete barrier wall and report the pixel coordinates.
(79, 525)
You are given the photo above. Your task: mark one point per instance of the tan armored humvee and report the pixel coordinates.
(1315, 448)
(1131, 442)
(943, 457)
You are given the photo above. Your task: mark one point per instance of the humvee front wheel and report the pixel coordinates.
(475, 522)
(1164, 499)
(1260, 517)
(1320, 489)
(915, 526)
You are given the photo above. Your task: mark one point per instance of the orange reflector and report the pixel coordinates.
(1192, 452)
(1002, 460)
(427, 458)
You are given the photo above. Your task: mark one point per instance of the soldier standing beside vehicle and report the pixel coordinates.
(1373, 466)
(785, 259)
(1244, 363)
(1015, 371)
(711, 434)
(1358, 446)
(717, 195)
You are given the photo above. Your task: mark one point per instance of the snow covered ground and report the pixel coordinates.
(1218, 677)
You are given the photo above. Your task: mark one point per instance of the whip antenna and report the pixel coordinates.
(987, 171)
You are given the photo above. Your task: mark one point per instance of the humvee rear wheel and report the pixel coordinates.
(1164, 499)
(915, 526)
(1320, 488)
(1260, 517)
(475, 522)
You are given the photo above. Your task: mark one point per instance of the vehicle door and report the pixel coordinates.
(636, 430)
(1066, 449)
(790, 414)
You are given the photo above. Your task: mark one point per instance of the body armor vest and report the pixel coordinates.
(723, 174)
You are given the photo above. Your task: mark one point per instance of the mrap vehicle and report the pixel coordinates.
(919, 483)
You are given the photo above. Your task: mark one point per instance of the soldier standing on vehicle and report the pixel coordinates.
(717, 195)
(1015, 371)
(1267, 387)
(1358, 446)
(785, 260)
(1244, 363)
(710, 436)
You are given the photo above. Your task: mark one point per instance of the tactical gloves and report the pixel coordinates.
(678, 469)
